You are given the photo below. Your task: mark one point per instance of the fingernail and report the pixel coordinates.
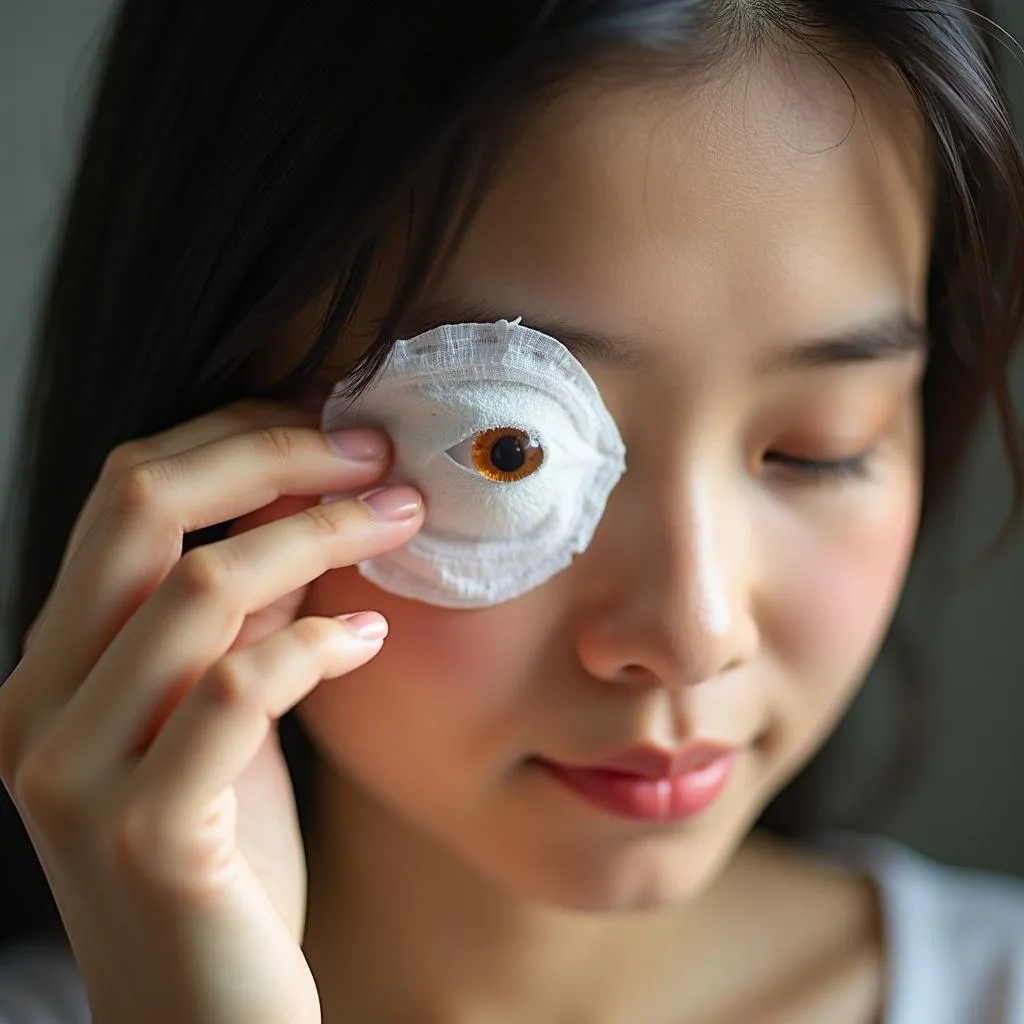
(361, 444)
(367, 625)
(393, 503)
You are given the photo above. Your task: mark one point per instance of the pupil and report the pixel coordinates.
(507, 454)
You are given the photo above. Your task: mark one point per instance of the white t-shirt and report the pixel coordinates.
(955, 936)
(955, 940)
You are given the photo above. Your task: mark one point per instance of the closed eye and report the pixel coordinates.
(855, 467)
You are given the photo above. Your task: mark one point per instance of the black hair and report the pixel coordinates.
(239, 162)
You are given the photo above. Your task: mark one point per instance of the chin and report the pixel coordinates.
(644, 875)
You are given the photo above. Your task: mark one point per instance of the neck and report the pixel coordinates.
(400, 929)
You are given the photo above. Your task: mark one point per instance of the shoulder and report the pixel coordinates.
(40, 984)
(954, 936)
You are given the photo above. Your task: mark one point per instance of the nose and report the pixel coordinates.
(672, 599)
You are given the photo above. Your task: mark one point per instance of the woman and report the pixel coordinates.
(770, 253)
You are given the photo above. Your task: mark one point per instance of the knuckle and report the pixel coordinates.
(229, 682)
(277, 443)
(44, 788)
(329, 519)
(122, 458)
(202, 573)
(136, 489)
(315, 632)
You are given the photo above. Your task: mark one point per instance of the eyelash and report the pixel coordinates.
(825, 470)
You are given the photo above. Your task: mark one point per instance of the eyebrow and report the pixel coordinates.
(888, 338)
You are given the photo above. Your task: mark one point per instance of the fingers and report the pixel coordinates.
(238, 418)
(192, 619)
(136, 536)
(216, 730)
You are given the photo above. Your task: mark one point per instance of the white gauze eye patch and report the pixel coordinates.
(506, 436)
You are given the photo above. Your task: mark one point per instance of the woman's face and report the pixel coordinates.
(729, 594)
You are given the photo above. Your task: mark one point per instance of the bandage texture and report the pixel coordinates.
(486, 541)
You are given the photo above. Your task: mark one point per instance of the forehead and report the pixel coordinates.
(781, 189)
(779, 199)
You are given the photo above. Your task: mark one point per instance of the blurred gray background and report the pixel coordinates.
(968, 807)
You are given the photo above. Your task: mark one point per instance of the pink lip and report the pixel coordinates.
(648, 784)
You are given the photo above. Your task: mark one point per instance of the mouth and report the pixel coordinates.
(648, 784)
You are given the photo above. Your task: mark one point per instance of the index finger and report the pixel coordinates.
(237, 418)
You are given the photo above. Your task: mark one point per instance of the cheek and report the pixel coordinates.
(838, 591)
(444, 679)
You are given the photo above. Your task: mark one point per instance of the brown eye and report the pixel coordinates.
(501, 454)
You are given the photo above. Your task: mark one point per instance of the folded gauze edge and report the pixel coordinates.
(506, 436)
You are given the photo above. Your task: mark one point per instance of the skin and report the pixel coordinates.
(712, 227)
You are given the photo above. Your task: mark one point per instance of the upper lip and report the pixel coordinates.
(651, 762)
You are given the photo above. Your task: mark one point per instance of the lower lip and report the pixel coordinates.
(671, 799)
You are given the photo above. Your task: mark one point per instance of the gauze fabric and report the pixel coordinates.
(484, 542)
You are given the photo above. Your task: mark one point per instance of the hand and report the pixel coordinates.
(138, 733)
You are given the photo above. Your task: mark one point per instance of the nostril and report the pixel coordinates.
(635, 674)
